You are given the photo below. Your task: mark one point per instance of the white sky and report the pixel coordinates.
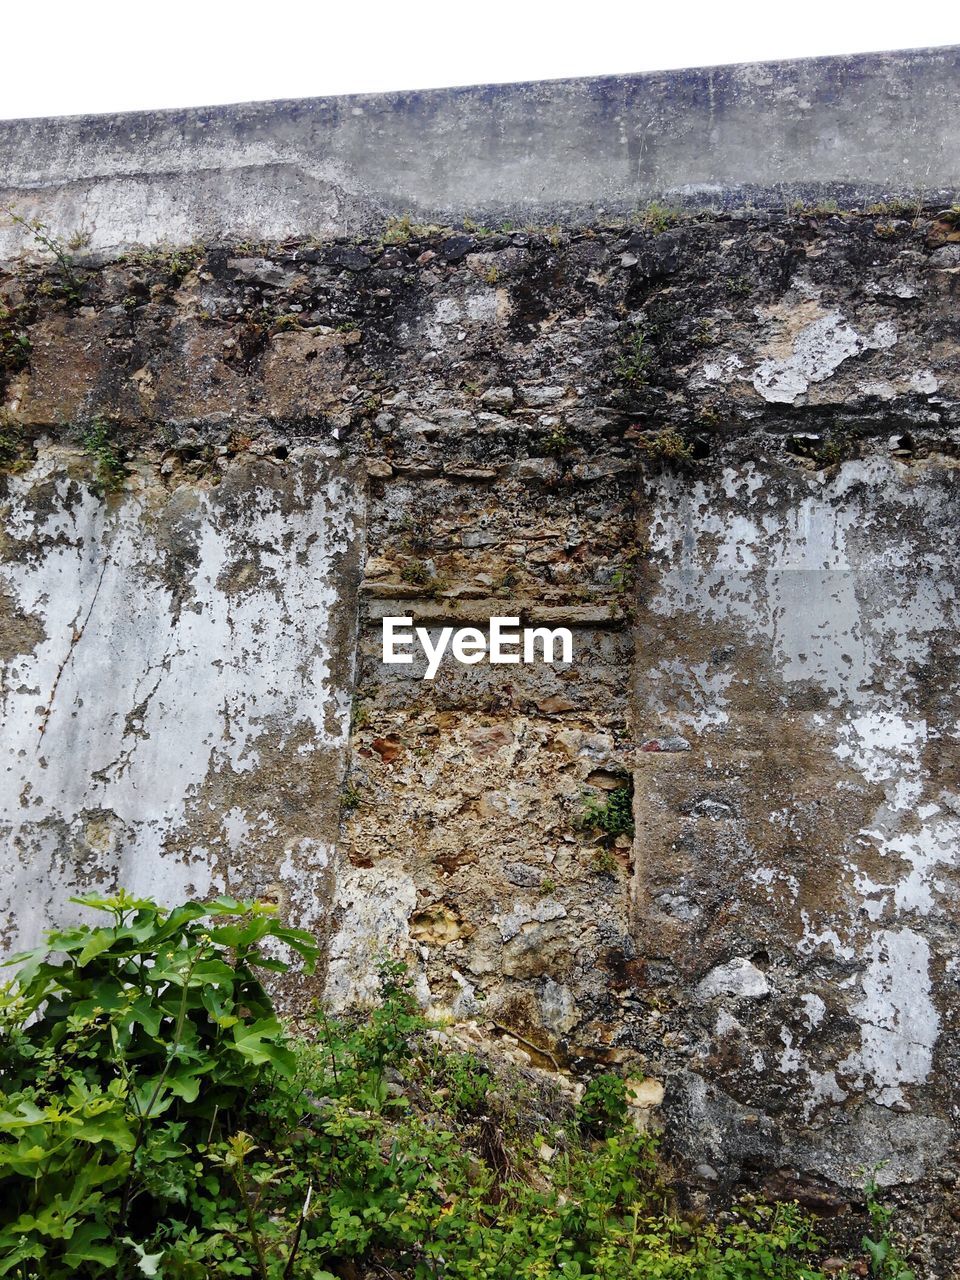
(63, 57)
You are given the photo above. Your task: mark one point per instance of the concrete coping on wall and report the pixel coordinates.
(854, 130)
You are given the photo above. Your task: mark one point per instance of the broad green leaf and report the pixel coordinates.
(86, 1246)
(147, 1013)
(108, 1128)
(259, 1043)
(100, 940)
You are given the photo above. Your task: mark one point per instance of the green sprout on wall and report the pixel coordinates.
(633, 366)
(610, 817)
(98, 442)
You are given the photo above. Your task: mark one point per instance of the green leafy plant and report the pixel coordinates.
(612, 816)
(886, 1262)
(602, 1110)
(633, 365)
(157, 1120)
(98, 441)
(465, 1083)
(124, 1049)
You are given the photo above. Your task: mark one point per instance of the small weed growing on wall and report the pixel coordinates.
(739, 286)
(361, 716)
(10, 444)
(398, 230)
(658, 217)
(476, 229)
(612, 816)
(831, 453)
(603, 862)
(415, 572)
(69, 281)
(14, 342)
(633, 365)
(99, 443)
(703, 335)
(624, 577)
(351, 797)
(885, 230)
(838, 446)
(666, 446)
(174, 263)
(80, 239)
(892, 209)
(816, 209)
(557, 442)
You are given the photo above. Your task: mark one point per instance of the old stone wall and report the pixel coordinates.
(721, 447)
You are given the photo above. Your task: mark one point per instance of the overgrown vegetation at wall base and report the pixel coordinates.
(157, 1120)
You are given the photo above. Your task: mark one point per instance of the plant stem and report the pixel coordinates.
(251, 1221)
(146, 1115)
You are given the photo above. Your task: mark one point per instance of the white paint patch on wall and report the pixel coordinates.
(373, 907)
(817, 352)
(831, 593)
(898, 1020)
(190, 640)
(847, 582)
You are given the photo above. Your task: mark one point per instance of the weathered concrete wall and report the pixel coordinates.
(799, 860)
(857, 127)
(722, 447)
(177, 666)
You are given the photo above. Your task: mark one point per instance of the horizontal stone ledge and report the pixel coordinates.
(427, 611)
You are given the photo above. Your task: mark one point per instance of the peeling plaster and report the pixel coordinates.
(157, 679)
(816, 353)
